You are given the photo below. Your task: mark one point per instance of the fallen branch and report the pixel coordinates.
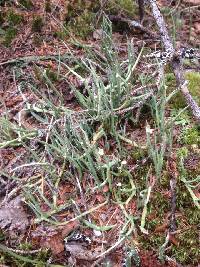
(176, 60)
(133, 24)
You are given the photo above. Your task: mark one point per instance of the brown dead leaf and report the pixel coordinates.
(100, 198)
(53, 237)
(161, 228)
(173, 240)
(78, 251)
(105, 188)
(69, 228)
(55, 243)
(13, 216)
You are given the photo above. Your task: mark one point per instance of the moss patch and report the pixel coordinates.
(9, 21)
(194, 84)
(13, 18)
(178, 100)
(26, 4)
(10, 34)
(128, 7)
(37, 24)
(190, 136)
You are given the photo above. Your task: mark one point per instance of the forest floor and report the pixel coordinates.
(99, 155)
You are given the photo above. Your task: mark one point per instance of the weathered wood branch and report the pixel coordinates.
(176, 60)
(133, 24)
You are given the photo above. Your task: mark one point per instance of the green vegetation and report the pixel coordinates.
(190, 136)
(9, 22)
(194, 84)
(28, 4)
(127, 7)
(10, 34)
(13, 18)
(48, 6)
(37, 24)
(90, 153)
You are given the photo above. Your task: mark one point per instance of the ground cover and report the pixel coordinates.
(100, 162)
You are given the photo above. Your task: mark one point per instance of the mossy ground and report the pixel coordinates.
(81, 23)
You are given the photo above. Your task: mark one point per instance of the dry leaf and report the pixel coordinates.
(53, 237)
(13, 216)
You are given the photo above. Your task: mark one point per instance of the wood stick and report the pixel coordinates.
(175, 59)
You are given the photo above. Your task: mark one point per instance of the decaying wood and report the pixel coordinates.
(175, 60)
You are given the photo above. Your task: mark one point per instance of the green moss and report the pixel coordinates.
(2, 18)
(194, 84)
(182, 152)
(47, 6)
(160, 201)
(61, 34)
(164, 180)
(153, 241)
(127, 7)
(188, 250)
(183, 198)
(138, 153)
(52, 75)
(13, 18)
(81, 25)
(26, 4)
(10, 34)
(80, 17)
(192, 214)
(177, 101)
(190, 136)
(37, 24)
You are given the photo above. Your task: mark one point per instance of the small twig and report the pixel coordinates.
(134, 24)
(25, 252)
(30, 59)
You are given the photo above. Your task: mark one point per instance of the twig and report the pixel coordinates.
(30, 59)
(176, 60)
(134, 24)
